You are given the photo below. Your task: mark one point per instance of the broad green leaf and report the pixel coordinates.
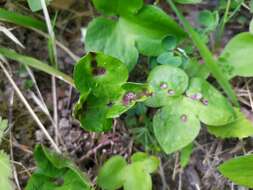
(131, 34)
(150, 163)
(118, 7)
(240, 128)
(137, 178)
(19, 19)
(55, 172)
(167, 82)
(208, 19)
(5, 172)
(207, 56)
(237, 57)
(116, 173)
(133, 93)
(35, 63)
(169, 42)
(176, 125)
(93, 114)
(3, 126)
(212, 107)
(111, 176)
(188, 1)
(99, 73)
(239, 170)
(185, 155)
(167, 58)
(195, 69)
(35, 5)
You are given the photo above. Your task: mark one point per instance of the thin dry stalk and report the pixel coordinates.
(29, 108)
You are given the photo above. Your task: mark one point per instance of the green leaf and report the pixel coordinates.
(35, 63)
(35, 5)
(5, 172)
(211, 106)
(99, 73)
(131, 34)
(137, 178)
(93, 114)
(169, 43)
(150, 163)
(133, 93)
(208, 19)
(116, 173)
(238, 56)
(206, 54)
(239, 170)
(240, 128)
(167, 82)
(176, 125)
(3, 126)
(167, 58)
(111, 176)
(188, 1)
(105, 94)
(56, 172)
(19, 19)
(195, 69)
(118, 7)
(185, 155)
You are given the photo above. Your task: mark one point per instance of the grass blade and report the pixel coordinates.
(19, 19)
(207, 56)
(32, 62)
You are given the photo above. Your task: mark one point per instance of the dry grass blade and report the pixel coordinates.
(29, 108)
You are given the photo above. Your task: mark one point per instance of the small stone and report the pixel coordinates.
(171, 92)
(184, 118)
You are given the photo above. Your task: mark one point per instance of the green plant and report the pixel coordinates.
(116, 173)
(176, 88)
(6, 171)
(239, 170)
(56, 172)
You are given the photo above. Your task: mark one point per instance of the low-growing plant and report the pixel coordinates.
(177, 89)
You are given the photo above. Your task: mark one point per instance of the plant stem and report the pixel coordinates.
(207, 56)
(53, 59)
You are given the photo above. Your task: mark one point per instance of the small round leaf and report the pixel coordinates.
(167, 82)
(176, 125)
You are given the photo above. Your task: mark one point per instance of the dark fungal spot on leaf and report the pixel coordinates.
(196, 96)
(128, 98)
(183, 118)
(204, 101)
(171, 92)
(97, 71)
(110, 104)
(59, 181)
